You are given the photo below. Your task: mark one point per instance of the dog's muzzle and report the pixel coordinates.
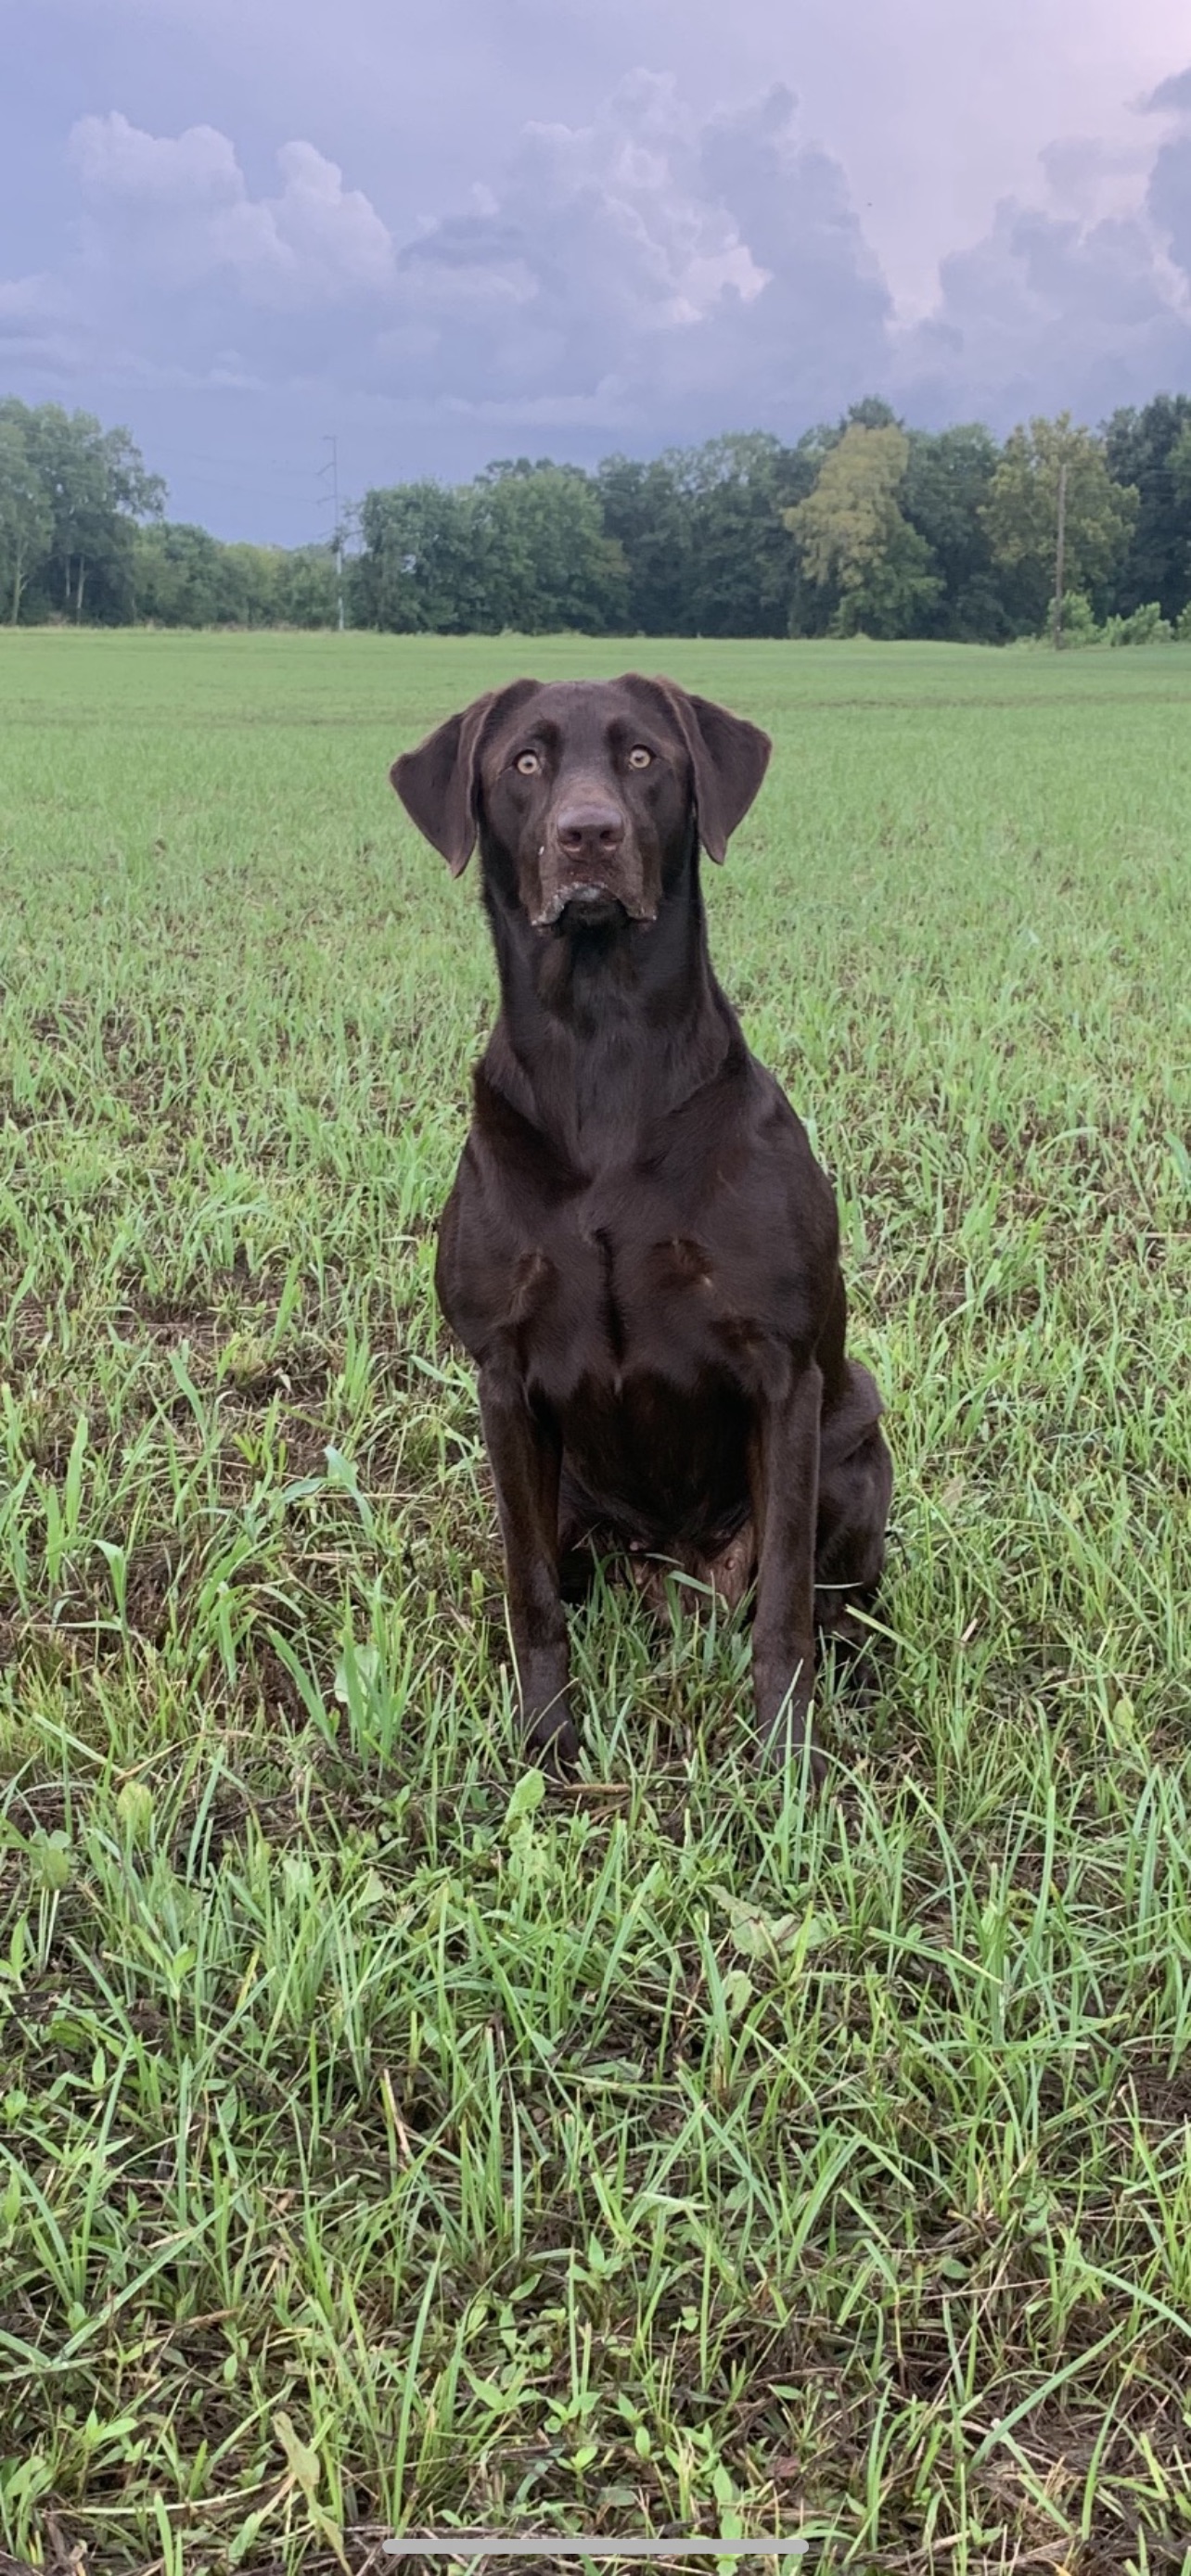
(590, 895)
(587, 901)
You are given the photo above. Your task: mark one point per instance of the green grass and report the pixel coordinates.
(375, 2146)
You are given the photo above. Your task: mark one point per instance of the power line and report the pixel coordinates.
(332, 468)
(253, 464)
(249, 491)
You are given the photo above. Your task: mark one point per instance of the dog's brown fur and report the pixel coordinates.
(640, 1251)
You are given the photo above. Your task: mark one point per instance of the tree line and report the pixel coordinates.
(84, 538)
(864, 526)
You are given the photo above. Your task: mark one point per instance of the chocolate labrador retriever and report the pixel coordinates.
(640, 1250)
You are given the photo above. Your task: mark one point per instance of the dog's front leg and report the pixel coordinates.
(785, 1487)
(525, 1454)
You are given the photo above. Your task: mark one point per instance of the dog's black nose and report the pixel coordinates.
(590, 830)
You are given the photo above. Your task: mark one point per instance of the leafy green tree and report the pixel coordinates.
(1078, 625)
(98, 488)
(254, 579)
(303, 586)
(24, 510)
(420, 570)
(1021, 514)
(548, 564)
(860, 526)
(94, 485)
(522, 547)
(743, 567)
(868, 571)
(189, 578)
(183, 576)
(703, 534)
(1180, 471)
(947, 481)
(176, 575)
(1144, 448)
(646, 512)
(1147, 625)
(871, 412)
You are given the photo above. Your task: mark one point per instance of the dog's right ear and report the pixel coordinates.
(439, 782)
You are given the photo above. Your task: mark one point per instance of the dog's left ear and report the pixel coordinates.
(729, 757)
(439, 783)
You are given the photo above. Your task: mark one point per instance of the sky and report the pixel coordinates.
(444, 231)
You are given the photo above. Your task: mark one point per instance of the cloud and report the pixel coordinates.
(1169, 194)
(648, 274)
(176, 212)
(1064, 305)
(656, 263)
(1047, 314)
(642, 270)
(37, 325)
(818, 331)
(1174, 93)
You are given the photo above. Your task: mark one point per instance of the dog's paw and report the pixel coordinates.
(552, 1739)
(788, 1748)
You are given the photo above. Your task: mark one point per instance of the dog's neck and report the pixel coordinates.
(603, 1031)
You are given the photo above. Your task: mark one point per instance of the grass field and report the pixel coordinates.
(377, 2147)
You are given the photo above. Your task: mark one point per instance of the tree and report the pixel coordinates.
(97, 488)
(1180, 474)
(252, 586)
(872, 571)
(176, 575)
(646, 512)
(862, 525)
(742, 568)
(947, 481)
(523, 547)
(1143, 448)
(549, 565)
(183, 576)
(691, 543)
(303, 585)
(1021, 514)
(871, 412)
(416, 573)
(24, 510)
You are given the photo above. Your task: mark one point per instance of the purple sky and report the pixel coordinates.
(457, 229)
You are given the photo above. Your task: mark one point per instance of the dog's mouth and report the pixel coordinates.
(588, 905)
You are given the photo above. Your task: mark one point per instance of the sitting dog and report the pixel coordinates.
(640, 1251)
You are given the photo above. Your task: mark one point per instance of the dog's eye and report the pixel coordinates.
(639, 757)
(528, 764)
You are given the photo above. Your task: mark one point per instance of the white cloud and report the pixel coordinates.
(333, 234)
(177, 210)
(1169, 194)
(118, 164)
(693, 271)
(645, 269)
(1079, 303)
(645, 275)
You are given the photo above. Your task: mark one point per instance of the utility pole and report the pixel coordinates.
(332, 468)
(1060, 534)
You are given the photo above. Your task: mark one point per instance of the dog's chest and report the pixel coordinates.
(694, 1259)
(604, 1301)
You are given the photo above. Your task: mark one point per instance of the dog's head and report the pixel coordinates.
(583, 792)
